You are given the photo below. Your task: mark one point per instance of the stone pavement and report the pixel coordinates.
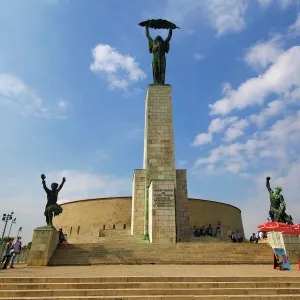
(21, 270)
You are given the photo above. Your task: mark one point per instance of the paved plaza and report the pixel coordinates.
(22, 270)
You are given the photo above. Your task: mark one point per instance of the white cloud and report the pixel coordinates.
(280, 143)
(273, 108)
(198, 56)
(264, 3)
(224, 16)
(121, 70)
(282, 76)
(294, 29)
(84, 185)
(262, 54)
(22, 99)
(216, 126)
(235, 130)
(282, 3)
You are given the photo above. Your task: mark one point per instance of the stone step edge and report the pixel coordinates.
(153, 282)
(53, 263)
(258, 278)
(156, 289)
(146, 286)
(164, 297)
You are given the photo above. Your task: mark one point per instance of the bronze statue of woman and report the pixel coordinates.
(159, 48)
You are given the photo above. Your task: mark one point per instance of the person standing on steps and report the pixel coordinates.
(15, 251)
(7, 254)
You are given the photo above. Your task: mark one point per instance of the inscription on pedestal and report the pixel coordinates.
(163, 198)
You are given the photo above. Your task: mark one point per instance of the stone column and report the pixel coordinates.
(181, 207)
(159, 156)
(138, 203)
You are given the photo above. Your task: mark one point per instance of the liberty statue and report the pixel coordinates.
(159, 47)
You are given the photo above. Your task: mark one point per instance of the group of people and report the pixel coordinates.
(258, 236)
(11, 251)
(208, 230)
(235, 237)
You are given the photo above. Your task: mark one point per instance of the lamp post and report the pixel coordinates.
(6, 218)
(20, 229)
(12, 222)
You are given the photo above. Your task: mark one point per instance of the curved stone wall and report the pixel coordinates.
(93, 220)
(204, 212)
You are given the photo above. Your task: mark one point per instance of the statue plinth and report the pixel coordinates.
(44, 242)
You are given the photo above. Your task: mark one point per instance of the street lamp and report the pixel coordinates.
(20, 229)
(6, 218)
(12, 222)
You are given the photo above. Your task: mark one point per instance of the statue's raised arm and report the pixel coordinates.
(268, 185)
(62, 184)
(168, 39)
(150, 40)
(44, 183)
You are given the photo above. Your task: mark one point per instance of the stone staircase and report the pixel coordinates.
(131, 251)
(150, 288)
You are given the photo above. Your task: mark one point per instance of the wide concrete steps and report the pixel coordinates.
(148, 288)
(146, 253)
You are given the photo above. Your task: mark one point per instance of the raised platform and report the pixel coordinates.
(128, 250)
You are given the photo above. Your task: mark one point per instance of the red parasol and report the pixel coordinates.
(274, 226)
(296, 226)
(280, 227)
(291, 231)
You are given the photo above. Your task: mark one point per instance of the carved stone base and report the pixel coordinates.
(44, 242)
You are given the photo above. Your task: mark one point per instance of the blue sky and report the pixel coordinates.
(73, 79)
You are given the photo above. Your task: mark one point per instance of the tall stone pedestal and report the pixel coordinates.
(289, 242)
(159, 201)
(44, 242)
(138, 203)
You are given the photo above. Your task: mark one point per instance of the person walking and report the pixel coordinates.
(6, 256)
(16, 249)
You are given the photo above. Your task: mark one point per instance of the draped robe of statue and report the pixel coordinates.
(159, 47)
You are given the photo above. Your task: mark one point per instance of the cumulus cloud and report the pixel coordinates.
(282, 3)
(121, 70)
(262, 54)
(282, 76)
(83, 185)
(261, 151)
(273, 108)
(224, 16)
(294, 29)
(216, 126)
(264, 3)
(22, 99)
(235, 130)
(279, 144)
